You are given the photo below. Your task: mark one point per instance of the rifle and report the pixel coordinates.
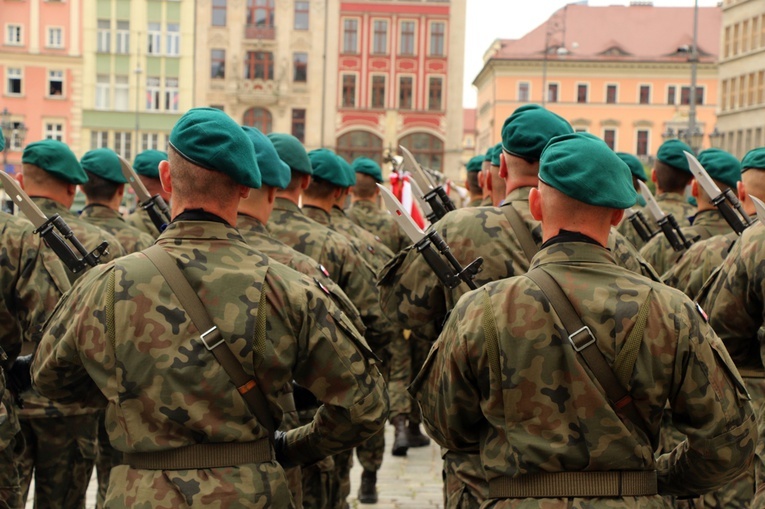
(435, 194)
(666, 222)
(155, 206)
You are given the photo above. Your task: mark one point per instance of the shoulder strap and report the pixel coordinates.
(211, 337)
(586, 348)
(522, 232)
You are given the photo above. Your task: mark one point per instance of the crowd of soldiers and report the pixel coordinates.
(235, 354)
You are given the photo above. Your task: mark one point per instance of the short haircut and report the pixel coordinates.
(295, 178)
(98, 188)
(472, 182)
(194, 183)
(319, 189)
(40, 177)
(366, 186)
(669, 178)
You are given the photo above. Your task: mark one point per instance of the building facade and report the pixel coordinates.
(741, 109)
(622, 73)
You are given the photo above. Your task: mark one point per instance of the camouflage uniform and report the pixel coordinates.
(476, 202)
(161, 405)
(140, 220)
(32, 280)
(372, 218)
(61, 437)
(551, 416)
(707, 223)
(670, 203)
(698, 263)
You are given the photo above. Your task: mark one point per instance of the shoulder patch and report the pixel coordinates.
(371, 249)
(702, 313)
(321, 286)
(323, 270)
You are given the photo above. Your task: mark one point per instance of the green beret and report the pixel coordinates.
(489, 153)
(147, 163)
(56, 158)
(526, 132)
(369, 167)
(292, 152)
(327, 167)
(2, 141)
(721, 166)
(105, 163)
(671, 153)
(209, 138)
(273, 171)
(755, 158)
(475, 164)
(634, 164)
(583, 167)
(348, 170)
(496, 154)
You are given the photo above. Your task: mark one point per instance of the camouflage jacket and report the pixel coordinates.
(130, 238)
(670, 203)
(475, 202)
(342, 260)
(535, 408)
(707, 223)
(372, 218)
(121, 334)
(695, 266)
(140, 220)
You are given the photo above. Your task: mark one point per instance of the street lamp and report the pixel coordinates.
(715, 138)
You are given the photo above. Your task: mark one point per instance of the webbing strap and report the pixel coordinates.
(196, 456)
(628, 483)
(490, 335)
(522, 232)
(211, 337)
(587, 350)
(624, 364)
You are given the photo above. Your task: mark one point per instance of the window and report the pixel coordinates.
(55, 37)
(14, 81)
(726, 43)
(645, 94)
(171, 94)
(121, 93)
(152, 94)
(102, 91)
(724, 95)
(745, 36)
(349, 91)
(173, 40)
(437, 33)
(406, 46)
(16, 140)
(301, 15)
(99, 139)
(104, 36)
(760, 87)
(552, 92)
(751, 89)
(13, 36)
(642, 143)
(609, 136)
(123, 37)
(741, 87)
(259, 118)
(523, 91)
(259, 65)
(426, 149)
(611, 94)
(150, 141)
(671, 91)
(298, 124)
(378, 92)
(154, 39)
(735, 39)
(405, 86)
(217, 63)
(733, 93)
(755, 34)
(54, 131)
(260, 13)
(435, 87)
(581, 93)
(55, 83)
(300, 64)
(219, 13)
(122, 143)
(380, 42)
(685, 94)
(350, 35)
(360, 143)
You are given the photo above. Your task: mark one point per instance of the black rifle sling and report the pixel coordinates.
(211, 337)
(521, 231)
(587, 350)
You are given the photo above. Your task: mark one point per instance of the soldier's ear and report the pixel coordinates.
(164, 176)
(616, 217)
(694, 188)
(741, 189)
(535, 204)
(20, 179)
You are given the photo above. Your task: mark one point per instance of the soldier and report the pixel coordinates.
(474, 168)
(146, 358)
(503, 378)
(496, 183)
(671, 175)
(59, 437)
(484, 178)
(725, 170)
(146, 165)
(638, 173)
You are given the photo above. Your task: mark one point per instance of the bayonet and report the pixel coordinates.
(725, 201)
(54, 230)
(759, 207)
(424, 207)
(666, 222)
(155, 206)
(435, 194)
(640, 224)
(452, 273)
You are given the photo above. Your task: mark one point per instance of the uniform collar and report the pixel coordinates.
(285, 204)
(365, 205)
(518, 194)
(100, 211)
(199, 230)
(572, 252)
(707, 217)
(249, 224)
(50, 207)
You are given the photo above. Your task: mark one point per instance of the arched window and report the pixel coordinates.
(259, 118)
(426, 148)
(360, 143)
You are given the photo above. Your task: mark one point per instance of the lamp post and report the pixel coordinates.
(715, 138)
(693, 130)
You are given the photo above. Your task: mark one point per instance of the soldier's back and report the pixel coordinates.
(130, 238)
(370, 217)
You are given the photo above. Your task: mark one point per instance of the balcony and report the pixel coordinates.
(259, 33)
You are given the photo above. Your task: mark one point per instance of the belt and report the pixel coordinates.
(633, 483)
(751, 372)
(197, 456)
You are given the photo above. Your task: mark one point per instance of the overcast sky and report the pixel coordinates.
(488, 20)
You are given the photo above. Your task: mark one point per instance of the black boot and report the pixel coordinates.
(400, 442)
(368, 488)
(414, 437)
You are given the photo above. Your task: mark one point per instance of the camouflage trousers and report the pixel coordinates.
(408, 354)
(10, 492)
(60, 452)
(465, 485)
(107, 457)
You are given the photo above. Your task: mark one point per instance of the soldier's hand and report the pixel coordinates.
(19, 376)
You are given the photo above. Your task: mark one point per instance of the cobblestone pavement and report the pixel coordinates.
(413, 482)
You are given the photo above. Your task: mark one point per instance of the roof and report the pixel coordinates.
(618, 33)
(468, 120)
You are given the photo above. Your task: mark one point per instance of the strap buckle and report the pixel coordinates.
(578, 345)
(204, 335)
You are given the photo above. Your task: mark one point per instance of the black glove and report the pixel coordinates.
(19, 377)
(280, 448)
